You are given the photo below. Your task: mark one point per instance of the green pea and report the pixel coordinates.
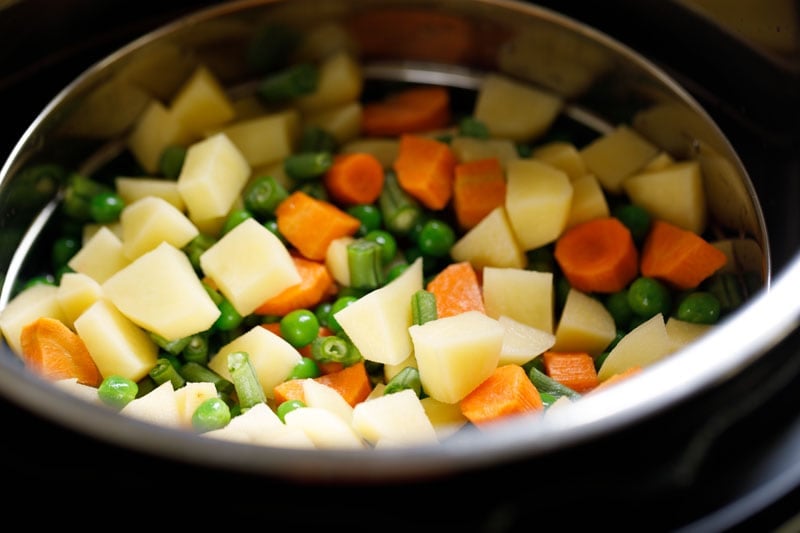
(635, 218)
(263, 195)
(211, 414)
(369, 215)
(171, 161)
(648, 297)
(323, 312)
(472, 127)
(64, 248)
(436, 238)
(617, 304)
(229, 318)
(234, 218)
(395, 271)
(300, 327)
(287, 407)
(39, 280)
(339, 304)
(272, 225)
(306, 368)
(387, 241)
(699, 308)
(105, 207)
(117, 391)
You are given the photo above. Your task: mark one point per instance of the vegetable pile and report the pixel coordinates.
(318, 265)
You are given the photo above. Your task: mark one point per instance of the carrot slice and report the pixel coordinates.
(616, 378)
(56, 352)
(479, 187)
(598, 255)
(351, 382)
(310, 225)
(354, 178)
(425, 169)
(289, 390)
(316, 285)
(575, 370)
(507, 391)
(457, 289)
(413, 110)
(679, 257)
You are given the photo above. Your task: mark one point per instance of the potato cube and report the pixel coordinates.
(249, 265)
(201, 103)
(644, 345)
(212, 177)
(272, 357)
(325, 429)
(538, 202)
(340, 82)
(343, 121)
(101, 256)
(446, 418)
(456, 353)
(524, 295)
(378, 322)
(131, 189)
(564, 156)
(76, 293)
(336, 260)
(491, 242)
(521, 342)
(615, 155)
(91, 228)
(117, 345)
(155, 130)
(157, 407)
(398, 418)
(588, 201)
(320, 395)
(161, 292)
(148, 222)
(585, 325)
(682, 333)
(472, 149)
(36, 301)
(265, 139)
(743, 255)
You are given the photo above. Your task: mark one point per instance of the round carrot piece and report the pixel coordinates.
(355, 178)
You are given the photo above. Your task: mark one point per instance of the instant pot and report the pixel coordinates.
(725, 459)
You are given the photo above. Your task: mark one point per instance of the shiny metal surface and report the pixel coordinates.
(602, 80)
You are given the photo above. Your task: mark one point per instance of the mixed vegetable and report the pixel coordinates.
(320, 265)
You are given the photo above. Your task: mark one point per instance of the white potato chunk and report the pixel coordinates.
(201, 103)
(647, 343)
(491, 242)
(398, 417)
(343, 121)
(76, 292)
(585, 325)
(336, 260)
(158, 406)
(456, 353)
(161, 292)
(156, 129)
(249, 265)
(521, 342)
(383, 149)
(614, 156)
(101, 256)
(86, 393)
(588, 201)
(524, 295)
(265, 139)
(131, 189)
(340, 82)
(36, 301)
(320, 395)
(682, 332)
(446, 418)
(378, 322)
(148, 222)
(472, 149)
(562, 155)
(324, 428)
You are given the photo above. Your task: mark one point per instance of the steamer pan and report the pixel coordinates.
(604, 83)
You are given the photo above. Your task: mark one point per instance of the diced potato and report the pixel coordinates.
(515, 110)
(564, 156)
(398, 418)
(260, 425)
(155, 130)
(323, 40)
(201, 103)
(538, 202)
(585, 325)
(36, 301)
(456, 353)
(148, 222)
(472, 149)
(325, 429)
(682, 333)
(272, 357)
(384, 150)
(616, 155)
(644, 345)
(674, 194)
(446, 418)
(189, 397)
(91, 229)
(659, 162)
(266, 139)
(100, 257)
(156, 407)
(340, 82)
(320, 395)
(212, 177)
(521, 342)
(76, 293)
(491, 242)
(524, 295)
(588, 201)
(117, 345)
(336, 260)
(161, 292)
(249, 106)
(377, 323)
(743, 253)
(84, 392)
(131, 189)
(343, 121)
(249, 265)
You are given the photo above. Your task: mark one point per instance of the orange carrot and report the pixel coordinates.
(354, 178)
(425, 169)
(507, 391)
(317, 284)
(56, 352)
(413, 110)
(479, 187)
(678, 257)
(310, 225)
(598, 255)
(575, 370)
(457, 290)
(616, 378)
(351, 382)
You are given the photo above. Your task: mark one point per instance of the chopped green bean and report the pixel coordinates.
(164, 371)
(316, 139)
(365, 263)
(173, 347)
(196, 372)
(546, 384)
(291, 82)
(245, 380)
(304, 166)
(196, 350)
(407, 378)
(262, 196)
(400, 210)
(171, 161)
(423, 307)
(335, 349)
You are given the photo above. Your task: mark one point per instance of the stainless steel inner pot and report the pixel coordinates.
(604, 83)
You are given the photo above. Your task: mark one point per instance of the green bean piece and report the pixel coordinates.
(262, 195)
(164, 371)
(212, 413)
(171, 161)
(547, 399)
(727, 288)
(408, 378)
(423, 307)
(146, 385)
(229, 318)
(699, 307)
(234, 218)
(335, 349)
(316, 139)
(117, 391)
(78, 196)
(196, 372)
(306, 368)
(400, 210)
(291, 82)
(315, 189)
(196, 350)
(245, 380)
(365, 263)
(472, 127)
(287, 407)
(546, 384)
(173, 347)
(197, 247)
(304, 166)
